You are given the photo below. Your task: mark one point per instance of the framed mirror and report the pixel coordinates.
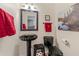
(29, 20)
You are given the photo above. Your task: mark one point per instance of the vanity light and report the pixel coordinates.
(29, 6)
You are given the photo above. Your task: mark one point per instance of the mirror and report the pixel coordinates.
(29, 20)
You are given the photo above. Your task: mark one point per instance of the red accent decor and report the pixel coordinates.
(23, 26)
(7, 27)
(48, 27)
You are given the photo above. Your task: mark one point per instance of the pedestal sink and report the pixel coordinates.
(28, 38)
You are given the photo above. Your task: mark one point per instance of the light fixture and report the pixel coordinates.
(29, 6)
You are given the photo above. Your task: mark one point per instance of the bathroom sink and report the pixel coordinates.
(28, 37)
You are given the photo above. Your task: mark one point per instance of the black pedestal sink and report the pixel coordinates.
(28, 38)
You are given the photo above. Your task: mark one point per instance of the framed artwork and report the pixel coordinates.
(29, 20)
(47, 17)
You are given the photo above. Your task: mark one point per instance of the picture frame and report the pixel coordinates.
(29, 20)
(47, 17)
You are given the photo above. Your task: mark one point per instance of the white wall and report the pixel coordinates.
(44, 9)
(8, 44)
(71, 37)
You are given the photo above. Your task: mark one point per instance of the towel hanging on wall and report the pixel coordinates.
(7, 27)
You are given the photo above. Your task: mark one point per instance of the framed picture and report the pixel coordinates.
(29, 20)
(47, 17)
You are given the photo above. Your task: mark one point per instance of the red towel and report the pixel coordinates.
(7, 27)
(48, 27)
(23, 27)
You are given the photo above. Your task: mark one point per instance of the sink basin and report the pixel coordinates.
(28, 37)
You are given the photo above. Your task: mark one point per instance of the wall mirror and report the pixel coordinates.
(29, 20)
